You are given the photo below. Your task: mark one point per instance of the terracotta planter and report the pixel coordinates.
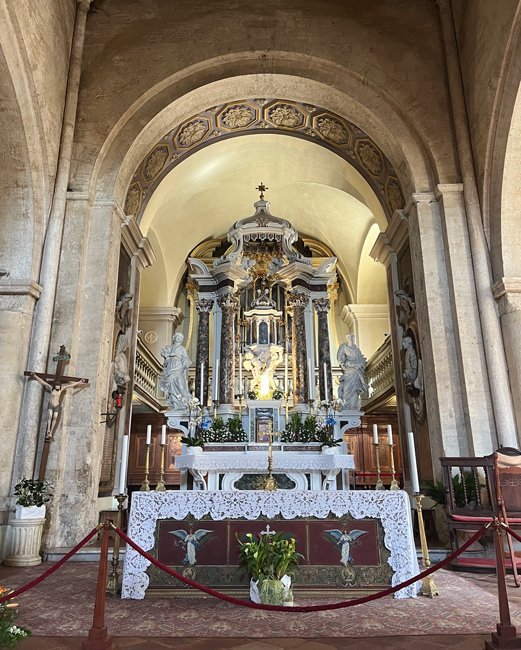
(25, 536)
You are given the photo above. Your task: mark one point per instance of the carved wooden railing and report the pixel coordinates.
(380, 371)
(147, 371)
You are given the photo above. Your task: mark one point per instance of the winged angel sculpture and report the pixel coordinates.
(343, 540)
(191, 542)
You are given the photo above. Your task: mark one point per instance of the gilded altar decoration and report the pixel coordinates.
(193, 132)
(332, 130)
(285, 116)
(371, 158)
(238, 116)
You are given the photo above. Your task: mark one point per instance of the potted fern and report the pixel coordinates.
(270, 559)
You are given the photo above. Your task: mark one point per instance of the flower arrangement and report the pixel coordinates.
(220, 431)
(270, 559)
(32, 492)
(191, 441)
(10, 634)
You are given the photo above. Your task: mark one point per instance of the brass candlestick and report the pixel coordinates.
(113, 579)
(394, 482)
(379, 483)
(240, 405)
(428, 587)
(215, 405)
(270, 484)
(286, 397)
(161, 487)
(145, 486)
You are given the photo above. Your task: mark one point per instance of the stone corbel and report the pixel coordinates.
(135, 244)
(507, 293)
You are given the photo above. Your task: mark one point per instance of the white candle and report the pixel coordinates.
(216, 381)
(325, 382)
(240, 371)
(413, 465)
(201, 388)
(123, 466)
(163, 434)
(286, 373)
(390, 434)
(375, 434)
(149, 434)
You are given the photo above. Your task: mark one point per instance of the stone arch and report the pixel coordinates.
(300, 78)
(263, 115)
(502, 178)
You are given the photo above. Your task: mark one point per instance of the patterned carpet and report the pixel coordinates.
(62, 606)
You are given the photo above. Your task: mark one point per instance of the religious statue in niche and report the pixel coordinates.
(174, 379)
(412, 372)
(262, 361)
(120, 376)
(123, 310)
(352, 381)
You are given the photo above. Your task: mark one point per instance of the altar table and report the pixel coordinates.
(389, 510)
(207, 468)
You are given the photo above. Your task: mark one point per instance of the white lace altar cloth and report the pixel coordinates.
(236, 461)
(392, 508)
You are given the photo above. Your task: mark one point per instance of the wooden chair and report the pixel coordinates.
(479, 490)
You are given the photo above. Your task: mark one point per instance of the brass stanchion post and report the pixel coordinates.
(428, 587)
(98, 638)
(113, 579)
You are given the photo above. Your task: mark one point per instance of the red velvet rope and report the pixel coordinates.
(49, 571)
(511, 532)
(301, 608)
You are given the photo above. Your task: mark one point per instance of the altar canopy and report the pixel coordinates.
(254, 510)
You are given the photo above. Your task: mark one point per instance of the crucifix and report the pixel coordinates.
(57, 384)
(262, 188)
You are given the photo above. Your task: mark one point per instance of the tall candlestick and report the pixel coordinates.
(123, 465)
(325, 383)
(149, 434)
(240, 372)
(390, 434)
(216, 381)
(413, 465)
(163, 434)
(375, 434)
(201, 388)
(286, 373)
(311, 380)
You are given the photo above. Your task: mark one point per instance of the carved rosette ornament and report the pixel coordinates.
(371, 158)
(322, 307)
(228, 304)
(332, 130)
(297, 302)
(204, 307)
(285, 116)
(237, 117)
(193, 132)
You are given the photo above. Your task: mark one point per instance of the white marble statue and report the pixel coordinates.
(174, 380)
(352, 382)
(262, 361)
(120, 376)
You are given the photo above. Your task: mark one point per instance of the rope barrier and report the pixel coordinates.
(52, 569)
(511, 532)
(301, 608)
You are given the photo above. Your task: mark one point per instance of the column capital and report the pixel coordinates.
(448, 188)
(322, 305)
(227, 301)
(423, 197)
(297, 299)
(204, 305)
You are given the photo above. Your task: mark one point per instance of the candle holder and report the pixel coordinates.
(239, 397)
(113, 579)
(286, 399)
(379, 483)
(161, 487)
(215, 405)
(394, 482)
(145, 486)
(270, 485)
(428, 587)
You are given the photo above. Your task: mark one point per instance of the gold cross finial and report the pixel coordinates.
(262, 188)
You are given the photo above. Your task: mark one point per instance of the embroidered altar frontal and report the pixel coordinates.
(351, 541)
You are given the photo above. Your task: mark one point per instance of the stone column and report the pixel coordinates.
(508, 295)
(228, 304)
(322, 306)
(297, 304)
(43, 317)
(204, 307)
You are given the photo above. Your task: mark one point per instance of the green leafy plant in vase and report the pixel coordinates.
(270, 559)
(10, 634)
(32, 495)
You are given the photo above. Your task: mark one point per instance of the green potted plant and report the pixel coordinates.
(26, 526)
(10, 634)
(270, 559)
(192, 444)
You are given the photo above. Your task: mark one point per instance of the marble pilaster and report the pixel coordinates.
(228, 304)
(204, 307)
(322, 307)
(297, 303)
